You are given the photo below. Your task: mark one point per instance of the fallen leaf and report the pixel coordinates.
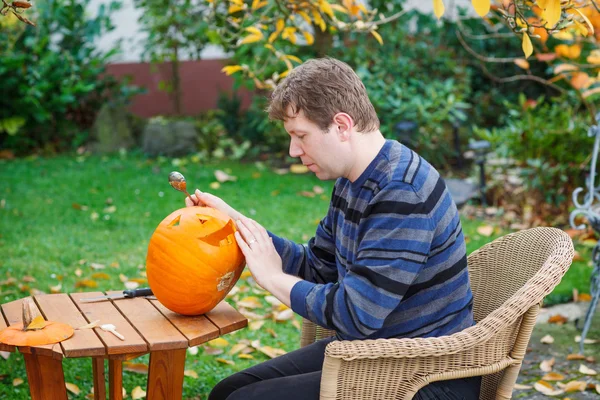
(17, 381)
(284, 315)
(575, 357)
(553, 376)
(193, 350)
(73, 388)
(100, 275)
(586, 341)
(55, 289)
(78, 272)
(223, 176)
(297, 324)
(218, 343)
(518, 386)
(97, 266)
(586, 370)
(306, 193)
(237, 348)
(485, 230)
(255, 325)
(575, 386)
(38, 323)
(318, 189)
(272, 300)
(250, 302)
(138, 368)
(271, 351)
(246, 356)
(191, 373)
(224, 361)
(138, 393)
(28, 279)
(91, 325)
(548, 339)
(5, 354)
(584, 297)
(131, 285)
(546, 365)
(598, 388)
(214, 185)
(212, 351)
(86, 283)
(557, 319)
(547, 389)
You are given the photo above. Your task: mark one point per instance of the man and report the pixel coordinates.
(387, 261)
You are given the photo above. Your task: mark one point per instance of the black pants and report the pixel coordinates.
(297, 375)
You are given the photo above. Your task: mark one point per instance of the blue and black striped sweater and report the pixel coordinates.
(389, 258)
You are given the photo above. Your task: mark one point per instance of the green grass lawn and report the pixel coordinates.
(58, 216)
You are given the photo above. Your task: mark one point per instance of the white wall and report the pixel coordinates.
(127, 28)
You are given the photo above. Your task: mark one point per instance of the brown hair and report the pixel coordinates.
(323, 87)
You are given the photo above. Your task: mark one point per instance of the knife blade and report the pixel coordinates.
(126, 294)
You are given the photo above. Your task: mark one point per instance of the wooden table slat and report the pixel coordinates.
(13, 312)
(60, 308)
(227, 318)
(197, 329)
(3, 324)
(107, 313)
(151, 324)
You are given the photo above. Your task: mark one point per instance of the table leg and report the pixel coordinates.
(115, 379)
(99, 378)
(165, 375)
(46, 377)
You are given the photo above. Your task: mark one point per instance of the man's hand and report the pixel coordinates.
(263, 260)
(206, 199)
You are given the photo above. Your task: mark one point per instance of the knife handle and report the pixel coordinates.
(138, 292)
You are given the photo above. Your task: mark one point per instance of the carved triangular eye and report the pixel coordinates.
(202, 218)
(175, 222)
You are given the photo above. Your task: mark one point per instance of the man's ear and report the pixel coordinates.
(343, 125)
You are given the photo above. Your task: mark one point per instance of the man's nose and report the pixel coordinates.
(295, 150)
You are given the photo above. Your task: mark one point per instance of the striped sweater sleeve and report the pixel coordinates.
(314, 262)
(393, 242)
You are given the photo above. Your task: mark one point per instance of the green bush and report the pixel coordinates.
(53, 77)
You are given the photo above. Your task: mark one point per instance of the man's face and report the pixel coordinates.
(318, 150)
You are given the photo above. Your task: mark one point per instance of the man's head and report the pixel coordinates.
(321, 88)
(324, 106)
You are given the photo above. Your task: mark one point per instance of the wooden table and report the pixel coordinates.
(148, 327)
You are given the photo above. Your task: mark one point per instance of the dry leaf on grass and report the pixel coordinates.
(237, 348)
(271, 351)
(224, 361)
(246, 356)
(557, 319)
(218, 342)
(223, 176)
(73, 388)
(138, 393)
(138, 368)
(17, 381)
(191, 373)
(249, 302)
(575, 356)
(5, 354)
(547, 389)
(485, 230)
(211, 351)
(193, 350)
(546, 365)
(586, 341)
(548, 339)
(284, 315)
(575, 386)
(553, 376)
(586, 371)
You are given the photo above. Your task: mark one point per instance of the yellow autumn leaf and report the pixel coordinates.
(249, 302)
(73, 388)
(527, 45)
(482, 7)
(258, 4)
(138, 393)
(522, 63)
(594, 57)
(553, 376)
(305, 16)
(438, 8)
(254, 30)
(251, 39)
(246, 356)
(551, 12)
(234, 8)
(191, 373)
(575, 386)
(232, 69)
(273, 36)
(377, 37)
(293, 58)
(284, 73)
(325, 7)
(339, 8)
(38, 323)
(255, 325)
(319, 20)
(280, 24)
(17, 381)
(237, 348)
(218, 342)
(308, 37)
(584, 17)
(272, 352)
(224, 361)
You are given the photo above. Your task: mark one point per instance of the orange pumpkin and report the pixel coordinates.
(193, 260)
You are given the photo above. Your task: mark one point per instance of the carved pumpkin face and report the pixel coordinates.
(193, 260)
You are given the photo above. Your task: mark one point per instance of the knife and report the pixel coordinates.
(126, 294)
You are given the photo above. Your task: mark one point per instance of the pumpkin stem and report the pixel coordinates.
(29, 312)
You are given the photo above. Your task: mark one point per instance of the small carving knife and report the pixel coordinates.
(126, 294)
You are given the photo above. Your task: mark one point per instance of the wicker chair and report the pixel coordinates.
(509, 277)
